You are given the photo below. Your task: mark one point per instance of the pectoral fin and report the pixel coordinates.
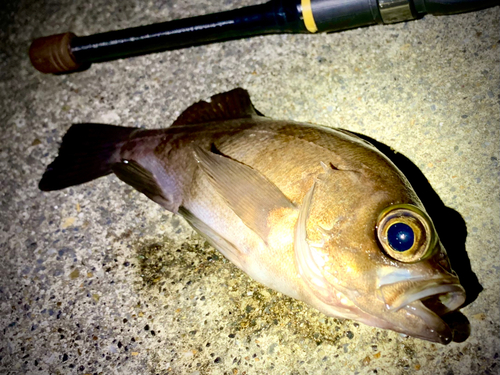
(247, 192)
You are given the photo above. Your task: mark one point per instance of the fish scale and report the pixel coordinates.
(302, 209)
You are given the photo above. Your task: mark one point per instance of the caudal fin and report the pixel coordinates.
(87, 152)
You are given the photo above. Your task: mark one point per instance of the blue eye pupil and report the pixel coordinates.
(400, 237)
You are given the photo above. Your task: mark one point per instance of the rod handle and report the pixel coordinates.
(52, 54)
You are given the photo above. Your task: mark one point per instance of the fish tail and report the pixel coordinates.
(87, 152)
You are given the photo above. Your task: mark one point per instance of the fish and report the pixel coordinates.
(316, 213)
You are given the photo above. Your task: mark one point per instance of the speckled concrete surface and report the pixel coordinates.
(98, 280)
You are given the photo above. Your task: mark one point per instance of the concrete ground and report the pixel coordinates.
(96, 279)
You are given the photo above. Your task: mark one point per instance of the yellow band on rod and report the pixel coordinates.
(308, 16)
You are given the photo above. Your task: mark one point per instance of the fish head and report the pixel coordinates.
(383, 264)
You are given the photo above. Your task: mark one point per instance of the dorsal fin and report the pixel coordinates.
(229, 105)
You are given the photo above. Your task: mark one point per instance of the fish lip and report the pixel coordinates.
(444, 295)
(436, 329)
(428, 300)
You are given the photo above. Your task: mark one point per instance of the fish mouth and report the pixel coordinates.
(426, 301)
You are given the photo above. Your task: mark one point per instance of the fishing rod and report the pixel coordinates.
(64, 53)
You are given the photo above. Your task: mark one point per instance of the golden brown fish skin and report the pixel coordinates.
(364, 183)
(288, 154)
(295, 206)
(300, 146)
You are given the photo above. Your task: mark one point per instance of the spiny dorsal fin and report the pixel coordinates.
(229, 105)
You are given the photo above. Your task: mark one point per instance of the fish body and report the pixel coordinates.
(315, 213)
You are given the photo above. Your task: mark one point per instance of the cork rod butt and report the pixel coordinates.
(52, 54)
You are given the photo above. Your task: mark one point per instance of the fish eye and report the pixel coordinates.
(406, 233)
(400, 237)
